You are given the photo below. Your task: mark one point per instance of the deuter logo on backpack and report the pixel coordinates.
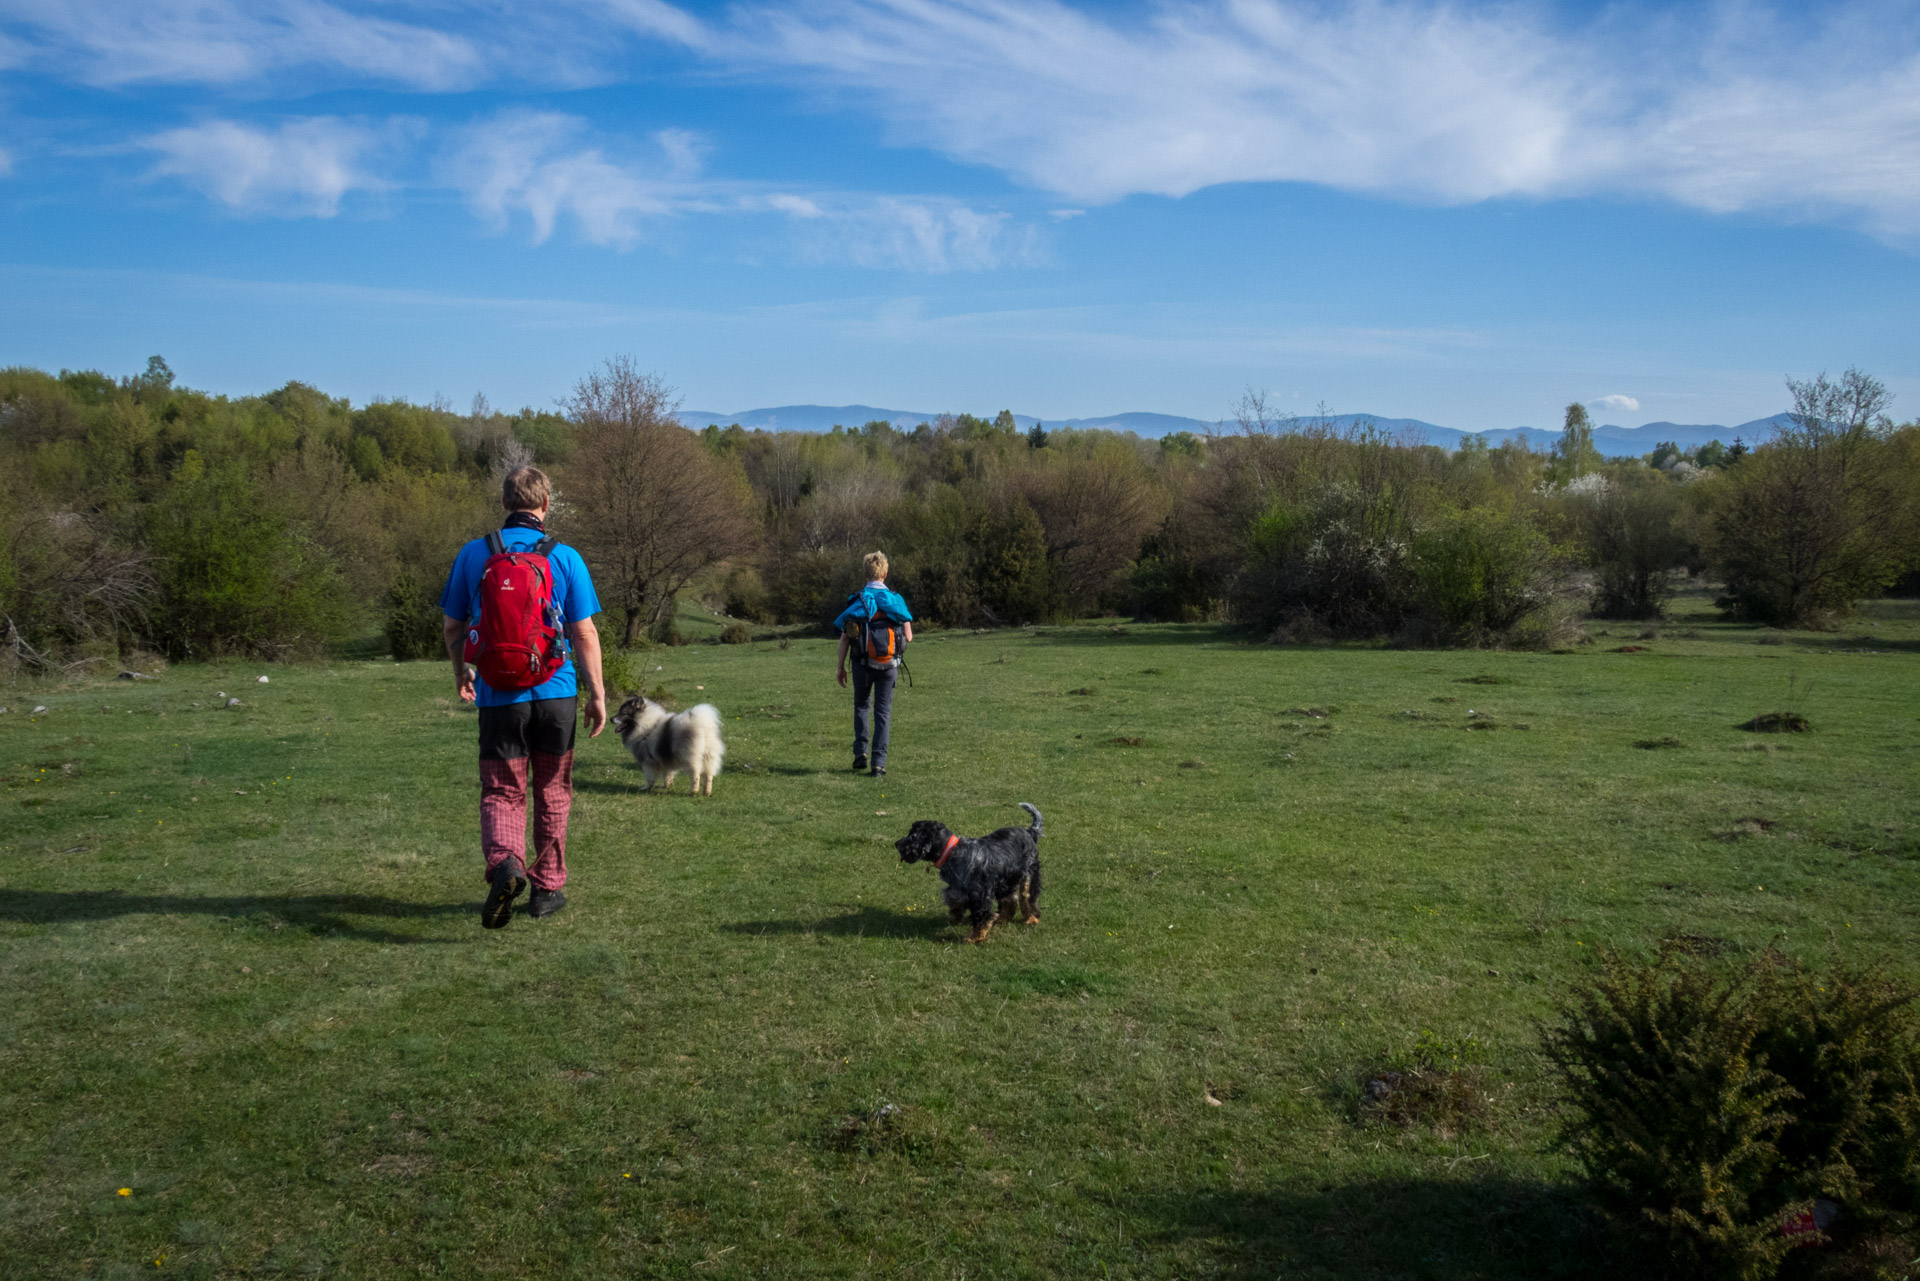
(517, 642)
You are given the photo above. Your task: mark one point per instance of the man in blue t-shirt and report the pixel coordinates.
(527, 731)
(869, 677)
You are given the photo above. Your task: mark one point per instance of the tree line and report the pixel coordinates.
(146, 515)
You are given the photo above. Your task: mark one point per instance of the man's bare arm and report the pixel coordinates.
(586, 661)
(455, 632)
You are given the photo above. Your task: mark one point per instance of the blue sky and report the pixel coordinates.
(1471, 214)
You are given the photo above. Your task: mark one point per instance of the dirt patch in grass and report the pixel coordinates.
(1748, 827)
(1448, 1101)
(1317, 713)
(1122, 740)
(1083, 691)
(1657, 744)
(1193, 764)
(1483, 680)
(1777, 723)
(891, 1129)
(1629, 649)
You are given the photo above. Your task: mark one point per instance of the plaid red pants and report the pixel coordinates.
(522, 744)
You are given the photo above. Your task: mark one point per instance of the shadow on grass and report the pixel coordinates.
(316, 913)
(862, 922)
(1447, 1229)
(600, 787)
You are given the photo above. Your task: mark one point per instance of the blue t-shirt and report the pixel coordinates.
(573, 596)
(875, 598)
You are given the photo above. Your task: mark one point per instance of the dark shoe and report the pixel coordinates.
(879, 771)
(509, 882)
(545, 902)
(859, 763)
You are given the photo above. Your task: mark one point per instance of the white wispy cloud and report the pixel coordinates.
(1727, 109)
(124, 42)
(549, 168)
(924, 234)
(1615, 402)
(301, 167)
(540, 164)
(1727, 106)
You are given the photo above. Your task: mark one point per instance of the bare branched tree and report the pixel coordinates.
(1803, 528)
(652, 507)
(1095, 506)
(72, 582)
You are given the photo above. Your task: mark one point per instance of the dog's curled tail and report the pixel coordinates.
(1038, 827)
(706, 722)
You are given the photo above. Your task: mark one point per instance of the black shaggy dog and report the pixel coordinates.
(982, 872)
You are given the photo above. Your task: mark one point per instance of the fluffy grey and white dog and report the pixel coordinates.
(664, 745)
(1001, 869)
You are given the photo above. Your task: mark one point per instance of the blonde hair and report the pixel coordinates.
(525, 489)
(875, 564)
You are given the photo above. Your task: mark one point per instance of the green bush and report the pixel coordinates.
(736, 633)
(1485, 577)
(414, 623)
(623, 671)
(235, 576)
(1714, 1105)
(746, 596)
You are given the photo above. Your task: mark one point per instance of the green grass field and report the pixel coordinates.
(246, 980)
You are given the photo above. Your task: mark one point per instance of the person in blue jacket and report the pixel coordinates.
(872, 677)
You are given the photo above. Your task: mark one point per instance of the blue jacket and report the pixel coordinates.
(873, 599)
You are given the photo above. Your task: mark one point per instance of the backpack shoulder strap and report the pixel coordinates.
(496, 547)
(546, 545)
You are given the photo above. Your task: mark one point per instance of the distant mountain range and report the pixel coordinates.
(1612, 441)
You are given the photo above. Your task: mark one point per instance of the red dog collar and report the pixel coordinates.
(942, 860)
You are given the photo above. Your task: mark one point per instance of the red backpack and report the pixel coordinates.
(517, 641)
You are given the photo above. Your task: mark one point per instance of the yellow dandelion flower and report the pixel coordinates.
(124, 1192)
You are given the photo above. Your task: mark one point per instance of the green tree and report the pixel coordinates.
(1574, 454)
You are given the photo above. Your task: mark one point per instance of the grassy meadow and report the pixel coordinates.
(247, 983)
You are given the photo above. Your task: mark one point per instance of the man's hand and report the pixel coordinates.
(843, 678)
(454, 632)
(586, 663)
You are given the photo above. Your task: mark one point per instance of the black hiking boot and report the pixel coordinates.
(879, 771)
(509, 880)
(544, 902)
(859, 764)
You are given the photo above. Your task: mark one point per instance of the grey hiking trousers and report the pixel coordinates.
(877, 683)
